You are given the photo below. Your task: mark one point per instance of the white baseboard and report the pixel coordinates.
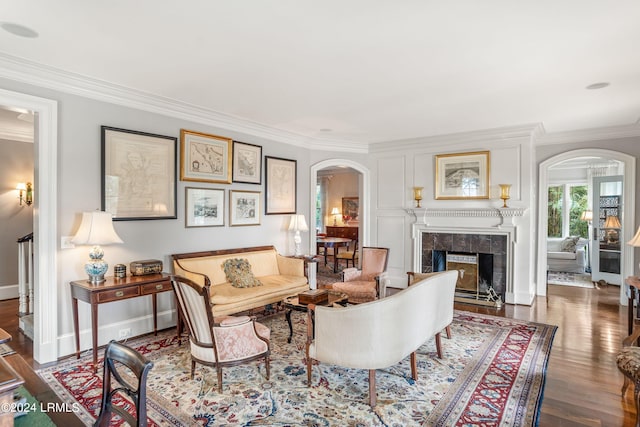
(139, 326)
(8, 292)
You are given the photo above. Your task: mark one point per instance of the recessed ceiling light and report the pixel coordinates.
(598, 85)
(325, 130)
(18, 30)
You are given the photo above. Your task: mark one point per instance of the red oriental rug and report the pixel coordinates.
(492, 374)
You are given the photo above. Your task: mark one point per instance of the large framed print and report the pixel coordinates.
(350, 208)
(280, 183)
(244, 207)
(462, 176)
(204, 157)
(204, 207)
(138, 174)
(247, 163)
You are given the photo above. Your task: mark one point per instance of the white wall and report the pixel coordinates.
(401, 165)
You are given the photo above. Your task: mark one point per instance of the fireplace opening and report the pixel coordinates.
(475, 272)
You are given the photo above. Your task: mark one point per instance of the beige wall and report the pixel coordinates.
(339, 186)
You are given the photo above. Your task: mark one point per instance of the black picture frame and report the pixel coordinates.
(139, 174)
(247, 163)
(280, 186)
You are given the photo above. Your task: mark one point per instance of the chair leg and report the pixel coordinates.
(372, 387)
(448, 329)
(439, 345)
(309, 364)
(219, 372)
(266, 363)
(193, 368)
(414, 367)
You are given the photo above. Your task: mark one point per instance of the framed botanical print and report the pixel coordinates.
(244, 207)
(247, 163)
(204, 207)
(204, 157)
(280, 182)
(138, 174)
(462, 176)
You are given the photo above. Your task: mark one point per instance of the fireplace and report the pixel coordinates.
(480, 259)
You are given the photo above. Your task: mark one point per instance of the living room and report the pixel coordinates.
(71, 111)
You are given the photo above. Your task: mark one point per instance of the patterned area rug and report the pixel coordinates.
(492, 373)
(581, 280)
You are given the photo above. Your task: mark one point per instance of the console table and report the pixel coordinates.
(115, 289)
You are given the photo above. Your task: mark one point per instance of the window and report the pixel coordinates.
(566, 204)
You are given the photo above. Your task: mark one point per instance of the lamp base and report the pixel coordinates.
(96, 267)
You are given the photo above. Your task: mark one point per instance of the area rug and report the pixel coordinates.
(582, 280)
(492, 373)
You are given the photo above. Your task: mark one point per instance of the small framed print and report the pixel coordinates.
(204, 157)
(280, 183)
(244, 207)
(247, 163)
(462, 176)
(204, 207)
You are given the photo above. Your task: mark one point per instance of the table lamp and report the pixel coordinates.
(298, 223)
(96, 229)
(635, 241)
(335, 212)
(612, 225)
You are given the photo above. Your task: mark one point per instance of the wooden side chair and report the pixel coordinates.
(225, 341)
(118, 359)
(350, 254)
(368, 283)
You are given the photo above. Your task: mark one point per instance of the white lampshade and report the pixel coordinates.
(587, 215)
(96, 228)
(635, 241)
(298, 223)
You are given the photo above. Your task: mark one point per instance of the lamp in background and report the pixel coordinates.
(26, 193)
(335, 212)
(298, 223)
(635, 241)
(417, 195)
(96, 229)
(587, 216)
(504, 193)
(612, 225)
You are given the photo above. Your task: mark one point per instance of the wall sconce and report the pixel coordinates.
(417, 195)
(504, 193)
(335, 212)
(26, 193)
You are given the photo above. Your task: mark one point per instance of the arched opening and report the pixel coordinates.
(628, 209)
(363, 194)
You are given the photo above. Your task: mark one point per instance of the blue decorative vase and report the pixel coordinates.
(96, 267)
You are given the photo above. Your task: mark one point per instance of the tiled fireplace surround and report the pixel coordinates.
(482, 230)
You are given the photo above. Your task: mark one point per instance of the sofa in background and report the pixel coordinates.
(567, 254)
(381, 333)
(280, 277)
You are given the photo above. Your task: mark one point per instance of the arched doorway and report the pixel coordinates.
(628, 211)
(364, 195)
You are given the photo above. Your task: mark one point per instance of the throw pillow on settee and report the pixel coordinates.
(239, 274)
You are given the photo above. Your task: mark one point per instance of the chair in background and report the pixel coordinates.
(367, 284)
(118, 359)
(349, 255)
(225, 341)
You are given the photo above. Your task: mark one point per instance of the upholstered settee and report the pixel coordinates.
(567, 254)
(279, 276)
(381, 333)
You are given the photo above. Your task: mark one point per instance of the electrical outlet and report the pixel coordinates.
(124, 333)
(66, 242)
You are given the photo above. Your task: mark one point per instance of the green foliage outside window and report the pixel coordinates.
(554, 212)
(578, 227)
(577, 204)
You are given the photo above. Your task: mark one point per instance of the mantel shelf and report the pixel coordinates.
(466, 212)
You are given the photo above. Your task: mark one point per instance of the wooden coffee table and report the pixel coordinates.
(291, 304)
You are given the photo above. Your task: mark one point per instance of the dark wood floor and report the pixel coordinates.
(583, 383)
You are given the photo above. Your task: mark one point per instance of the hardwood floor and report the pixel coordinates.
(583, 383)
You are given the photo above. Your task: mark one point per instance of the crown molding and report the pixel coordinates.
(36, 74)
(504, 134)
(16, 135)
(592, 134)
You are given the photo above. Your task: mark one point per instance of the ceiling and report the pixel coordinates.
(357, 71)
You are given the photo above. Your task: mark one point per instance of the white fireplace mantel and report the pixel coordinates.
(421, 214)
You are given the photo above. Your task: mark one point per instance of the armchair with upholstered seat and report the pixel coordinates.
(367, 284)
(349, 255)
(225, 341)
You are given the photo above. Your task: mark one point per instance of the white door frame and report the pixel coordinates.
(628, 211)
(365, 197)
(45, 289)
